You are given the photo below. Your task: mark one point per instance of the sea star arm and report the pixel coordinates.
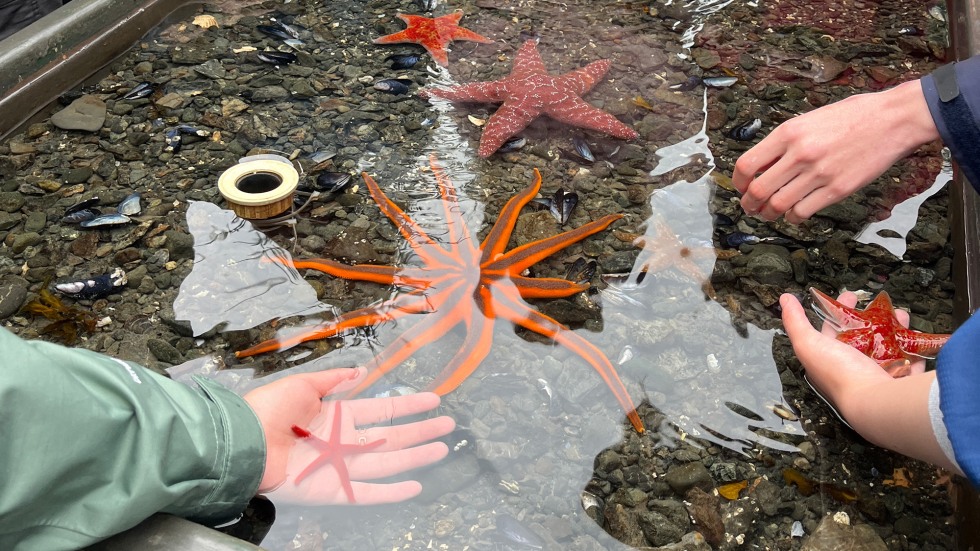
(835, 313)
(528, 318)
(583, 79)
(395, 308)
(527, 62)
(446, 315)
(577, 112)
(495, 243)
(546, 287)
(517, 260)
(475, 347)
(509, 119)
(924, 345)
(476, 92)
(421, 243)
(361, 272)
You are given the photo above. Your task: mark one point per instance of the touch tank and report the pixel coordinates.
(682, 288)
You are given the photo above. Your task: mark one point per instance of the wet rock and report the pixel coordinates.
(659, 530)
(164, 351)
(78, 175)
(8, 220)
(769, 264)
(705, 510)
(12, 201)
(834, 536)
(13, 293)
(682, 478)
(24, 240)
(622, 523)
(85, 113)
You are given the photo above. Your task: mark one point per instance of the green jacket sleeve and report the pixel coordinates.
(92, 445)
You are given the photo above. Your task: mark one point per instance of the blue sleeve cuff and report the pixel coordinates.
(958, 118)
(959, 387)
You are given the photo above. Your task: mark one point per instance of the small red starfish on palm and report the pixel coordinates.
(333, 452)
(433, 34)
(461, 283)
(877, 333)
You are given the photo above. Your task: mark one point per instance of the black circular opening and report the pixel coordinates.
(260, 182)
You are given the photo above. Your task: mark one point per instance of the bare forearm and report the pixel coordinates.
(894, 414)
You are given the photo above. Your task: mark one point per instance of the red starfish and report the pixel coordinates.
(433, 34)
(333, 452)
(462, 282)
(876, 332)
(529, 91)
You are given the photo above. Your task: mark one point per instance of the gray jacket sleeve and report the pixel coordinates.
(92, 445)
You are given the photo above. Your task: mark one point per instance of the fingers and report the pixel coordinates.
(846, 298)
(375, 494)
(405, 436)
(373, 465)
(377, 410)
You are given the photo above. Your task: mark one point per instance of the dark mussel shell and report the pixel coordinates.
(79, 216)
(274, 31)
(691, 83)
(582, 150)
(514, 143)
(737, 238)
(581, 271)
(746, 131)
(332, 182)
(562, 205)
(82, 205)
(94, 287)
(403, 61)
(141, 90)
(394, 85)
(277, 58)
(173, 140)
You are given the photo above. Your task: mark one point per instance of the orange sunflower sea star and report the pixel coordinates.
(461, 283)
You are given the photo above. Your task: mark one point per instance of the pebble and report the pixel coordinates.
(13, 294)
(86, 113)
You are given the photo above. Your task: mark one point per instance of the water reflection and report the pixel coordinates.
(891, 232)
(234, 284)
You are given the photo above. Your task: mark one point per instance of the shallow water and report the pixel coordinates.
(695, 338)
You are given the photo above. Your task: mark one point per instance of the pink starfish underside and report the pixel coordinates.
(877, 333)
(529, 92)
(433, 34)
(666, 251)
(333, 452)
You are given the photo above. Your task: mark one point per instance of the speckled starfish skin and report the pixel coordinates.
(665, 251)
(333, 452)
(433, 34)
(529, 92)
(876, 332)
(463, 283)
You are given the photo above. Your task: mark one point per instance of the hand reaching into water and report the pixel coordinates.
(821, 157)
(340, 460)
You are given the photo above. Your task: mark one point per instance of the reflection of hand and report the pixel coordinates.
(297, 400)
(822, 157)
(839, 371)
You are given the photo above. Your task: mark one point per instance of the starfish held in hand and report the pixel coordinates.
(529, 92)
(877, 333)
(433, 34)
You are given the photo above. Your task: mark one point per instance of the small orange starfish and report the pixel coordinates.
(433, 34)
(462, 282)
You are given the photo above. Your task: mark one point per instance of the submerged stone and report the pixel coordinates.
(85, 113)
